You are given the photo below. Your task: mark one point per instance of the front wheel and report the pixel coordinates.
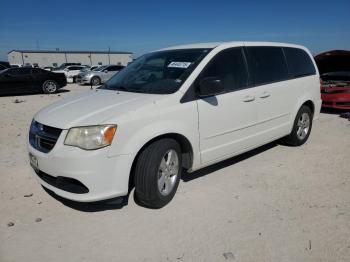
(157, 173)
(49, 87)
(301, 128)
(95, 81)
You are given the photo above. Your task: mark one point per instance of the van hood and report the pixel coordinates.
(93, 108)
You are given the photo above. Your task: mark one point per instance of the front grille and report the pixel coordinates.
(42, 137)
(343, 103)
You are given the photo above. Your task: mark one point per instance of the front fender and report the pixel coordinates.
(181, 119)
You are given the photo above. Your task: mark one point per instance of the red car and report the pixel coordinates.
(334, 67)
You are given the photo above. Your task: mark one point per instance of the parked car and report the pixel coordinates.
(64, 65)
(4, 65)
(334, 67)
(48, 68)
(184, 107)
(15, 65)
(98, 75)
(28, 80)
(94, 67)
(71, 72)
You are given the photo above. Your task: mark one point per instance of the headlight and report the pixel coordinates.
(90, 137)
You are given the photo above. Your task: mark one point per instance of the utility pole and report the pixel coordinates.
(37, 45)
(109, 58)
(90, 59)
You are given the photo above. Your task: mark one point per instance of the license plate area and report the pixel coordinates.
(34, 162)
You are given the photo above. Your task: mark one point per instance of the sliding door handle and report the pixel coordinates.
(265, 95)
(248, 98)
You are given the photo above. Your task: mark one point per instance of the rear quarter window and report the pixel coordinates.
(299, 62)
(267, 64)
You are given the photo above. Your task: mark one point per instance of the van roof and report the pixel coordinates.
(233, 43)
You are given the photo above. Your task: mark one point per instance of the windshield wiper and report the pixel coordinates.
(127, 89)
(121, 88)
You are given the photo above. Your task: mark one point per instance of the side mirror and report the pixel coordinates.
(105, 71)
(210, 86)
(66, 70)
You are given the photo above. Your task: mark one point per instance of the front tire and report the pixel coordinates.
(50, 87)
(95, 81)
(301, 127)
(157, 173)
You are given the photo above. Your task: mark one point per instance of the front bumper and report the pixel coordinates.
(339, 100)
(104, 176)
(83, 80)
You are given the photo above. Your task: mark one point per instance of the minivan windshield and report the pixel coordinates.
(161, 72)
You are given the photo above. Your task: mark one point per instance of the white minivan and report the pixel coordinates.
(179, 108)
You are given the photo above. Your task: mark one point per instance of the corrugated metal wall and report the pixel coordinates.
(50, 59)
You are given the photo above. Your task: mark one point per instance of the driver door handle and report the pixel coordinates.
(248, 98)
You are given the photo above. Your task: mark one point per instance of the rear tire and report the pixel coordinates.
(50, 87)
(301, 127)
(95, 81)
(157, 173)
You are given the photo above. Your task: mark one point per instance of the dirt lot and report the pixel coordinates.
(276, 203)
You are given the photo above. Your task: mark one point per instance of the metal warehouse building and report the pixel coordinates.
(55, 58)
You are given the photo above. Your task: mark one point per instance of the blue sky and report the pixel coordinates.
(141, 26)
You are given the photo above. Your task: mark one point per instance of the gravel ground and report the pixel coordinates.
(276, 203)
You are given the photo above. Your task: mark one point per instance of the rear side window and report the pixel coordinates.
(119, 67)
(112, 68)
(115, 68)
(20, 71)
(37, 71)
(13, 71)
(229, 66)
(267, 64)
(299, 62)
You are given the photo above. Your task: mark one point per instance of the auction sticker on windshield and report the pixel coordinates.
(179, 64)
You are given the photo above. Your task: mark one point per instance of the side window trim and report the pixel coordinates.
(250, 80)
(290, 76)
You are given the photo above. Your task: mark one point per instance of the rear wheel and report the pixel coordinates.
(95, 81)
(157, 173)
(49, 87)
(301, 128)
